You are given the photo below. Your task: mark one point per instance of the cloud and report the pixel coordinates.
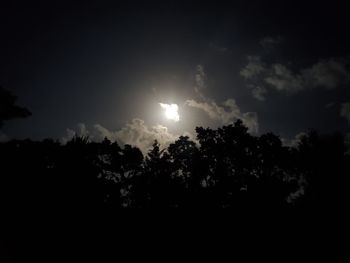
(259, 92)
(327, 73)
(294, 141)
(227, 113)
(345, 111)
(254, 67)
(200, 77)
(80, 131)
(282, 78)
(270, 42)
(330, 104)
(219, 49)
(135, 133)
(138, 134)
(200, 80)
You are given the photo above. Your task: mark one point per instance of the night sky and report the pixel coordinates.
(99, 70)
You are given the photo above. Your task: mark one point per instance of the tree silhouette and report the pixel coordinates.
(8, 109)
(224, 168)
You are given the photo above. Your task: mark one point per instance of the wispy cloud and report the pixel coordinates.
(259, 92)
(200, 81)
(254, 68)
(217, 48)
(226, 112)
(270, 42)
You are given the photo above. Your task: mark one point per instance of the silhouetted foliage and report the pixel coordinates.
(8, 109)
(226, 167)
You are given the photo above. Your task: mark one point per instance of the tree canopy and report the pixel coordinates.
(225, 168)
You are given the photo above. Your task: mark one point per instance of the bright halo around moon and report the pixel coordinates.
(171, 111)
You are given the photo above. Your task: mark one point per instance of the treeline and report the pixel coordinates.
(226, 168)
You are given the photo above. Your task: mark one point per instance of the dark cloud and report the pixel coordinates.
(271, 42)
(326, 73)
(259, 92)
(330, 104)
(254, 68)
(281, 78)
(219, 49)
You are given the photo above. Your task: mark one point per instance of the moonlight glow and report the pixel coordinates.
(171, 111)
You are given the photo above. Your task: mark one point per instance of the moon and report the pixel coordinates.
(171, 111)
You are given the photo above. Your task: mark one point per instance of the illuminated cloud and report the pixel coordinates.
(227, 113)
(135, 133)
(81, 131)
